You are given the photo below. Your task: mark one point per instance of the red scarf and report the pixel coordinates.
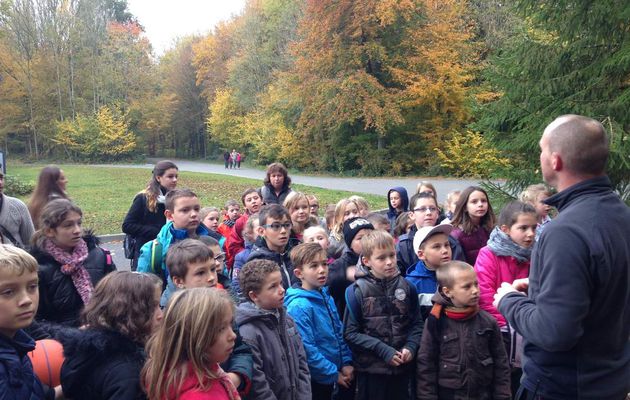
(72, 264)
(459, 314)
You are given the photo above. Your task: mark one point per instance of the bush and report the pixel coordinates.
(14, 186)
(471, 155)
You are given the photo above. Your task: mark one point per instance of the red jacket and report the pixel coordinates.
(492, 270)
(190, 389)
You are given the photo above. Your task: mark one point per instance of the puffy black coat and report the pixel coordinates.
(337, 280)
(261, 251)
(101, 364)
(59, 300)
(141, 223)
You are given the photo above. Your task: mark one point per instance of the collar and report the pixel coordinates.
(598, 185)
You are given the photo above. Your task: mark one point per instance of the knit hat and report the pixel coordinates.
(426, 232)
(352, 226)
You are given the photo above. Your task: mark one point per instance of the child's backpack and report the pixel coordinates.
(155, 249)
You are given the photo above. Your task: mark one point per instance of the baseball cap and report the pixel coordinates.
(426, 232)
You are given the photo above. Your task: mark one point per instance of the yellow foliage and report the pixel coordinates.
(470, 154)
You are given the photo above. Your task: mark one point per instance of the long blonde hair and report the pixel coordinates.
(340, 209)
(190, 327)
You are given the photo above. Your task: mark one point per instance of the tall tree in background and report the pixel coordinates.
(570, 57)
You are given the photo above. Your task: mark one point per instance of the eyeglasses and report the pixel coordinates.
(219, 257)
(276, 226)
(425, 209)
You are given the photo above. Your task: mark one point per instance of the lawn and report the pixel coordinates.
(105, 194)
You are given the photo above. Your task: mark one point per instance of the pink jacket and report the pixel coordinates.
(190, 389)
(492, 270)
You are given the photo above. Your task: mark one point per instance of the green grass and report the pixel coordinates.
(105, 194)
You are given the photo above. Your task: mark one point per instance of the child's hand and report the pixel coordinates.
(406, 355)
(342, 380)
(348, 372)
(235, 378)
(396, 359)
(58, 393)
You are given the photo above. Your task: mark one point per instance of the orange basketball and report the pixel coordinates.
(47, 359)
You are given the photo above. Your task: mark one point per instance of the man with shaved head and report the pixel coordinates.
(575, 317)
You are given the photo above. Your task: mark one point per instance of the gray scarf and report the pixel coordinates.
(501, 245)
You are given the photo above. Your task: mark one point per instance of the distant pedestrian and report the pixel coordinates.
(233, 155)
(226, 158)
(238, 160)
(51, 185)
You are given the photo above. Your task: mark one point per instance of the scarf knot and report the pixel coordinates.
(72, 265)
(502, 245)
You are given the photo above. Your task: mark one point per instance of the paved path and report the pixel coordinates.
(378, 186)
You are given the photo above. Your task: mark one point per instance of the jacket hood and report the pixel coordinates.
(440, 298)
(403, 196)
(168, 233)
(86, 349)
(21, 342)
(42, 255)
(247, 312)
(419, 270)
(295, 293)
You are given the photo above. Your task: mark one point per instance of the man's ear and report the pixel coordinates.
(178, 281)
(556, 161)
(168, 214)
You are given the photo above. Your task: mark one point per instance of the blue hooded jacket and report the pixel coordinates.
(392, 214)
(425, 282)
(318, 322)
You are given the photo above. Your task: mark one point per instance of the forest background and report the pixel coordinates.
(358, 87)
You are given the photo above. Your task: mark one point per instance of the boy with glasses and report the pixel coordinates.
(274, 242)
(424, 211)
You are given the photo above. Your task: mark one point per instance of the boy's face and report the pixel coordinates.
(355, 245)
(199, 274)
(382, 263)
(394, 200)
(523, 231)
(211, 221)
(251, 235)
(271, 295)
(425, 212)
(185, 214)
(276, 233)
(301, 213)
(233, 212)
(314, 273)
(314, 206)
(19, 298)
(317, 237)
(252, 202)
(465, 290)
(219, 257)
(542, 209)
(435, 251)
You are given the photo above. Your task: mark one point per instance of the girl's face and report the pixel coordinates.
(523, 231)
(301, 212)
(223, 344)
(394, 200)
(350, 211)
(426, 189)
(319, 237)
(277, 180)
(68, 234)
(453, 203)
(542, 209)
(363, 212)
(477, 206)
(158, 314)
(62, 181)
(211, 221)
(168, 179)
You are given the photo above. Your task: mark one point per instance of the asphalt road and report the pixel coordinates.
(378, 186)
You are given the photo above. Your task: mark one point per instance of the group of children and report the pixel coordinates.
(278, 303)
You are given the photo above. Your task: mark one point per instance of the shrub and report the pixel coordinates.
(14, 186)
(471, 155)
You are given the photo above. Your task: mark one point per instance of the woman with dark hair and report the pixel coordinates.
(275, 187)
(51, 185)
(103, 361)
(146, 216)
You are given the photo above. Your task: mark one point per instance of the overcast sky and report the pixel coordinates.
(166, 20)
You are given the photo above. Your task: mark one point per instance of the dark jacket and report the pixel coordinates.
(407, 257)
(59, 300)
(141, 223)
(101, 364)
(337, 281)
(261, 251)
(575, 321)
(269, 194)
(384, 321)
(392, 213)
(462, 359)
(17, 380)
(280, 367)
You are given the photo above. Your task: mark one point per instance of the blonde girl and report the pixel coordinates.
(362, 204)
(299, 209)
(473, 221)
(183, 356)
(344, 210)
(536, 195)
